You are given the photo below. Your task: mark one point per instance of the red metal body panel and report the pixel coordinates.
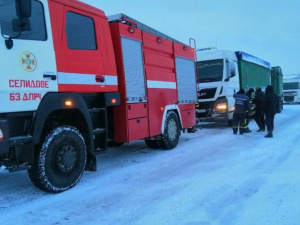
(188, 115)
(159, 66)
(126, 115)
(137, 129)
(137, 110)
(135, 120)
(81, 6)
(184, 51)
(187, 111)
(90, 62)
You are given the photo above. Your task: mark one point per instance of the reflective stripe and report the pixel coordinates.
(111, 80)
(161, 84)
(77, 78)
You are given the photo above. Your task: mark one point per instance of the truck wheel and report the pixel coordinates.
(171, 134)
(154, 144)
(60, 162)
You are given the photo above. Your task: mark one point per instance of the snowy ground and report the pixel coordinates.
(211, 177)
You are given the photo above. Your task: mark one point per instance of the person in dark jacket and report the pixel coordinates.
(270, 109)
(241, 107)
(249, 94)
(259, 106)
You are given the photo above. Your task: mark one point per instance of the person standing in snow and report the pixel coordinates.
(259, 106)
(249, 94)
(270, 109)
(241, 107)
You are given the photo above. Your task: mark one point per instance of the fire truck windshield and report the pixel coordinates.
(210, 70)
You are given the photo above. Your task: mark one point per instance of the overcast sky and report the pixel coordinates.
(268, 29)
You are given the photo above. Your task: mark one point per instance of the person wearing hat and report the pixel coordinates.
(251, 112)
(241, 107)
(259, 117)
(270, 108)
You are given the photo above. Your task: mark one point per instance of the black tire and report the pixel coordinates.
(171, 134)
(60, 161)
(154, 144)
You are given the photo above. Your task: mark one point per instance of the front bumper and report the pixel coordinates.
(4, 137)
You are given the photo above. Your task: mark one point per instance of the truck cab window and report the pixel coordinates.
(36, 26)
(80, 32)
(210, 70)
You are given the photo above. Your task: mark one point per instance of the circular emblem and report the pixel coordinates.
(28, 61)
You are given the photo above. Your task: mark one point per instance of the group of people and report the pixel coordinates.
(263, 105)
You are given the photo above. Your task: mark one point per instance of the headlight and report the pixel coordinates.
(221, 107)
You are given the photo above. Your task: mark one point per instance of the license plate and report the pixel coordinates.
(200, 110)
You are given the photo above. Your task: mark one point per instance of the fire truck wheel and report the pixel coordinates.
(60, 161)
(171, 134)
(154, 144)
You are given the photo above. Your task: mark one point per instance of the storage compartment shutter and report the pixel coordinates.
(134, 70)
(186, 80)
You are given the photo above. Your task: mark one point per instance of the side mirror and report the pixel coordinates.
(230, 70)
(23, 8)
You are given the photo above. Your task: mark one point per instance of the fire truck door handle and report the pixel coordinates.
(51, 76)
(100, 78)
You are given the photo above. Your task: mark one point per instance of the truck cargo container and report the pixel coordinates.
(220, 74)
(291, 88)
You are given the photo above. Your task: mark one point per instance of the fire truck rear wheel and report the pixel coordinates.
(171, 134)
(60, 161)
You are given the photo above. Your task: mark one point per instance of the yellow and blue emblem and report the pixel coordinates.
(28, 61)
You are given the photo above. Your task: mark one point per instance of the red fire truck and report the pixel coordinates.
(74, 81)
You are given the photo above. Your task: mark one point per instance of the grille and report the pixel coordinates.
(289, 98)
(204, 109)
(207, 93)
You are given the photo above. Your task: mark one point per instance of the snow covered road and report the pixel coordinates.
(212, 177)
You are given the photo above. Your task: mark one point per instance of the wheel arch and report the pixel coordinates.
(53, 109)
(168, 108)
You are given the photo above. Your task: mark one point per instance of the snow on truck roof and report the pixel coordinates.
(231, 55)
(122, 17)
(215, 54)
(291, 76)
(253, 59)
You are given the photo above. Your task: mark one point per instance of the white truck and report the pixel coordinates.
(291, 88)
(220, 74)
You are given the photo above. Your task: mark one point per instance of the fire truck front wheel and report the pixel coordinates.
(171, 134)
(60, 161)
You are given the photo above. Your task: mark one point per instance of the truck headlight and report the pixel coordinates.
(222, 107)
